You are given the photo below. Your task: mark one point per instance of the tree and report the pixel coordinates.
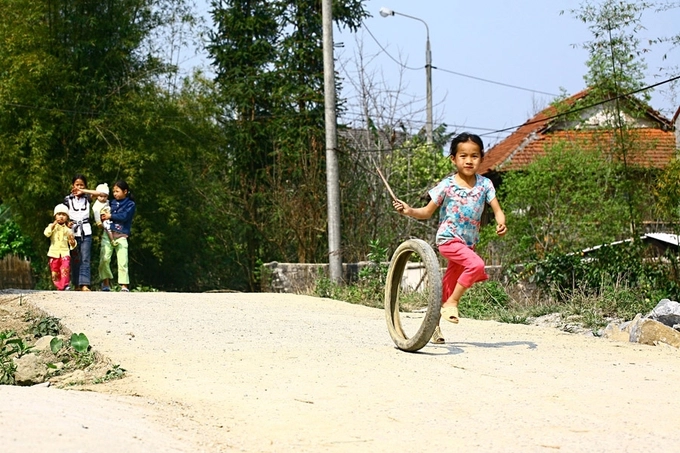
(380, 129)
(616, 67)
(81, 93)
(269, 65)
(563, 202)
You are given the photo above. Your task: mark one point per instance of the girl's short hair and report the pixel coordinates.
(463, 138)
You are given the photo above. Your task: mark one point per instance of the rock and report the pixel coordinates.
(666, 312)
(43, 343)
(651, 332)
(614, 332)
(77, 377)
(31, 370)
(627, 326)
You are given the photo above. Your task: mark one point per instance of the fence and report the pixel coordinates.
(16, 273)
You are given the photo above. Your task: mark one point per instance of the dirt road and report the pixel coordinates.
(282, 373)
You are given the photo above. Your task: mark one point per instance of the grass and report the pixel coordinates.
(514, 304)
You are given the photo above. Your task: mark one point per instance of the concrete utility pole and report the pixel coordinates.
(332, 174)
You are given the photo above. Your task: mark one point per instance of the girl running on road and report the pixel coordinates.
(460, 199)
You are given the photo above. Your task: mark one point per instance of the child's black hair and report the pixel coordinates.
(81, 177)
(466, 137)
(122, 185)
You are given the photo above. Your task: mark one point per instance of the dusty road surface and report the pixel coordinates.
(283, 373)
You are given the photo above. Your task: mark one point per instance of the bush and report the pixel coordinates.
(631, 265)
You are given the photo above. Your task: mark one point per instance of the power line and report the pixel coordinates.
(387, 53)
(585, 107)
(494, 82)
(454, 72)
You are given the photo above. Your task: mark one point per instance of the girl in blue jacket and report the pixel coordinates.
(122, 210)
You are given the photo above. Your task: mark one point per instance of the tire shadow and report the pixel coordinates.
(459, 347)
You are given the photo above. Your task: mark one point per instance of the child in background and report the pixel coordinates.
(61, 244)
(122, 211)
(460, 199)
(78, 204)
(101, 205)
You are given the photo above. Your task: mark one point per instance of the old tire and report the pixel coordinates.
(432, 291)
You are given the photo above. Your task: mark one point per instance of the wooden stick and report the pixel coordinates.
(389, 189)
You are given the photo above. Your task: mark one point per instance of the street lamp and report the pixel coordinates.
(386, 12)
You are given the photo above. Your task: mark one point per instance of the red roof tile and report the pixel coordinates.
(654, 147)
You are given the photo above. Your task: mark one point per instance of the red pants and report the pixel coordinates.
(61, 271)
(465, 267)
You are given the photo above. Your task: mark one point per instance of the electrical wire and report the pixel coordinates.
(387, 53)
(494, 82)
(481, 79)
(585, 107)
(297, 115)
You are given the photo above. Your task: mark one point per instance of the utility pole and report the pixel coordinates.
(386, 12)
(332, 174)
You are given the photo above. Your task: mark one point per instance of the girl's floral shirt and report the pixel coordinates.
(460, 212)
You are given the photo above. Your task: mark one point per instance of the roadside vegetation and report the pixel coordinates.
(229, 168)
(67, 360)
(614, 284)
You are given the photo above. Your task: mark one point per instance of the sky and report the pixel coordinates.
(524, 43)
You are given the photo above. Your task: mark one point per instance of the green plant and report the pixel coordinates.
(483, 300)
(56, 344)
(13, 241)
(11, 346)
(376, 271)
(79, 342)
(47, 325)
(8, 350)
(512, 317)
(115, 372)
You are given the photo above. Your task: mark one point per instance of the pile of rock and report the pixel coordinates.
(661, 326)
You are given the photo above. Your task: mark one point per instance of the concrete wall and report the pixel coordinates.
(298, 278)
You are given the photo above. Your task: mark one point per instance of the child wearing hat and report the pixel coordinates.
(61, 244)
(102, 206)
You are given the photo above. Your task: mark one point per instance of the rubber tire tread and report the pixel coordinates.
(395, 273)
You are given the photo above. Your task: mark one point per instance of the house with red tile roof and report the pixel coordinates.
(656, 139)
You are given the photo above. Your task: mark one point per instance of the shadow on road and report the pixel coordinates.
(458, 347)
(502, 344)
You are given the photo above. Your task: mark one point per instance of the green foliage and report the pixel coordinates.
(612, 300)
(79, 342)
(11, 347)
(630, 265)
(81, 84)
(56, 344)
(377, 267)
(12, 241)
(47, 325)
(115, 372)
(667, 192)
(483, 300)
(269, 74)
(557, 204)
(370, 286)
(75, 352)
(616, 63)
(8, 350)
